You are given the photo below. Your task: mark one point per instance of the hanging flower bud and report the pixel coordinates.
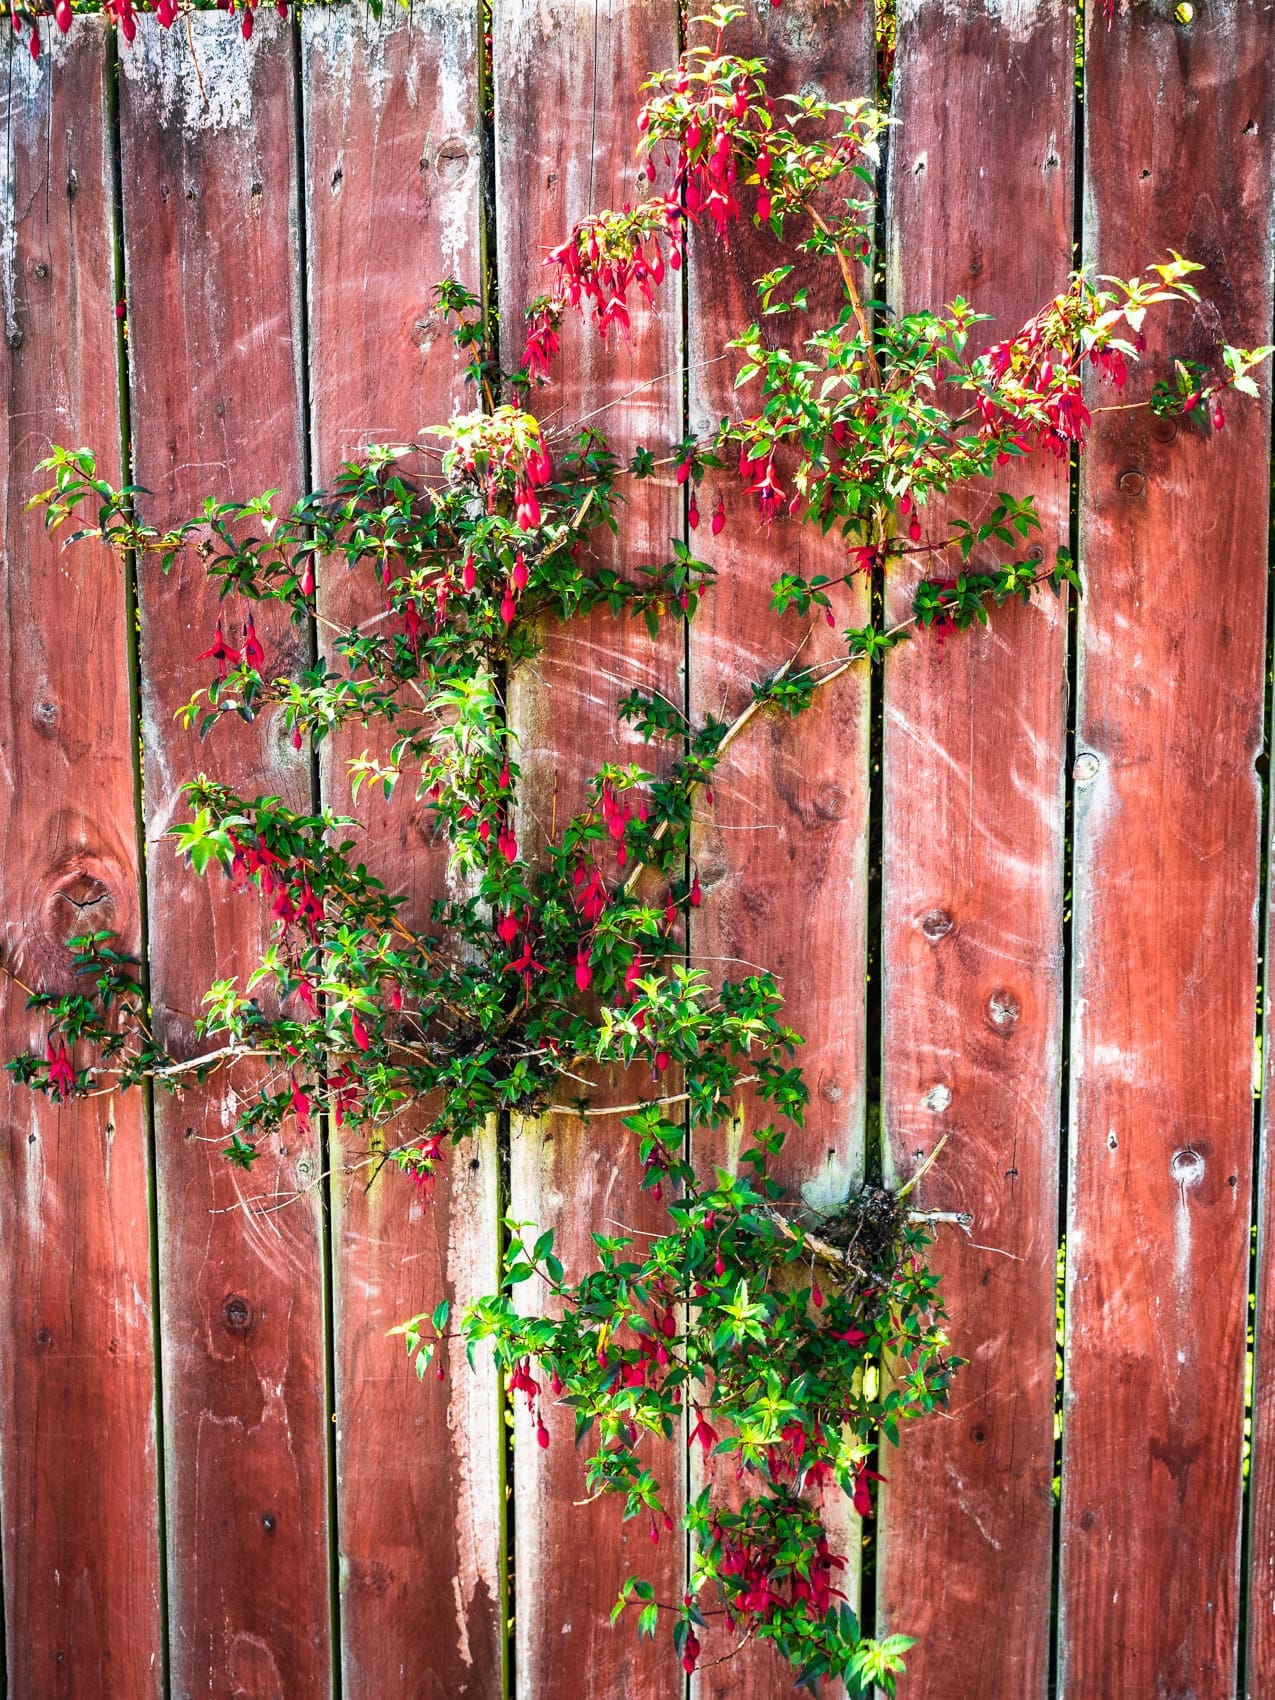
(719, 516)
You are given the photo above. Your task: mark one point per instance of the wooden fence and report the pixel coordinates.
(217, 1474)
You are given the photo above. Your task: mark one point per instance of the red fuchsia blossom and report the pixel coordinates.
(507, 927)
(851, 1336)
(526, 965)
(426, 1159)
(692, 513)
(300, 1105)
(219, 651)
(584, 973)
(542, 342)
(690, 1647)
(719, 516)
(862, 1492)
(310, 910)
(253, 653)
(359, 1031)
(768, 493)
(521, 1380)
(704, 1432)
(61, 1074)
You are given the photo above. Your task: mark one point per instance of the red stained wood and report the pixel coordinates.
(210, 213)
(77, 1438)
(1177, 154)
(782, 851)
(392, 145)
(972, 882)
(566, 77)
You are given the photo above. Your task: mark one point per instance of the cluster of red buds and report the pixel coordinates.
(296, 903)
(521, 1380)
(602, 258)
(749, 1570)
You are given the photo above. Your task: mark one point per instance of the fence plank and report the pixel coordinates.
(210, 207)
(972, 881)
(1166, 828)
(392, 143)
(566, 76)
(81, 1548)
(782, 852)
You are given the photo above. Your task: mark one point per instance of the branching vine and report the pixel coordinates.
(785, 1343)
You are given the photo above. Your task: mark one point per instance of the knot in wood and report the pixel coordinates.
(936, 924)
(1004, 1009)
(237, 1313)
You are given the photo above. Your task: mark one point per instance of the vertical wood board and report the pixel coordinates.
(78, 1467)
(1172, 632)
(392, 146)
(208, 127)
(972, 880)
(782, 851)
(566, 81)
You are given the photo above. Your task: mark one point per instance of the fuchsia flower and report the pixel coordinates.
(219, 651)
(253, 653)
(61, 1074)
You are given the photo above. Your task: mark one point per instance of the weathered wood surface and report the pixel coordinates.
(972, 882)
(391, 126)
(566, 76)
(1170, 722)
(782, 852)
(78, 1470)
(210, 194)
(215, 197)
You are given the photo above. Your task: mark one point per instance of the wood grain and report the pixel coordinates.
(78, 1468)
(1170, 722)
(210, 212)
(566, 76)
(392, 145)
(782, 853)
(972, 883)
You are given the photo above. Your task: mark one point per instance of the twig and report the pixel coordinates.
(632, 1109)
(928, 1164)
